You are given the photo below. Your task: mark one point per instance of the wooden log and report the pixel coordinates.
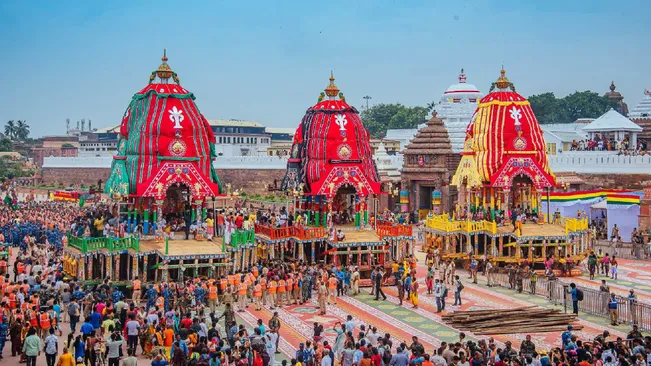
(526, 330)
(509, 321)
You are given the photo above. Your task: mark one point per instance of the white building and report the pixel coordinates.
(240, 138)
(99, 143)
(281, 140)
(559, 136)
(98, 148)
(559, 141)
(612, 125)
(642, 109)
(387, 165)
(456, 108)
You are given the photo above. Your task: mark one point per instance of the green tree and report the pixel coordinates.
(380, 117)
(585, 104)
(546, 108)
(6, 145)
(22, 130)
(10, 129)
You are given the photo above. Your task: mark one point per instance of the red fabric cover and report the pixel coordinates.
(177, 172)
(154, 139)
(336, 150)
(501, 150)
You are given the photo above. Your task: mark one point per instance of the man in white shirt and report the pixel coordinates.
(438, 360)
(340, 235)
(326, 360)
(373, 337)
(272, 336)
(438, 294)
(350, 324)
(204, 329)
(51, 347)
(132, 333)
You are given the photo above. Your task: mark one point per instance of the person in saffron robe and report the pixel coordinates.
(413, 296)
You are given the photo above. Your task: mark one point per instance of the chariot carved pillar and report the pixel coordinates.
(109, 268)
(145, 260)
(198, 206)
(146, 207)
(135, 271)
(116, 267)
(506, 204)
(364, 209)
(130, 217)
(166, 274)
(158, 217)
(89, 266)
(356, 206)
(317, 210)
(309, 210)
(81, 273)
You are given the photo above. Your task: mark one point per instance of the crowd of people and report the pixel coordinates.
(599, 143)
(46, 312)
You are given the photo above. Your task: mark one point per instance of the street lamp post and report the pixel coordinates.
(367, 97)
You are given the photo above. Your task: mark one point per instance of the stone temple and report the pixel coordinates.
(457, 105)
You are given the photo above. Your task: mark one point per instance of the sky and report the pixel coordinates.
(268, 60)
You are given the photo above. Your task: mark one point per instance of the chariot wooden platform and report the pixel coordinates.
(364, 248)
(156, 258)
(458, 240)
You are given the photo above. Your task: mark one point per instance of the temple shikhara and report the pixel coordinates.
(456, 108)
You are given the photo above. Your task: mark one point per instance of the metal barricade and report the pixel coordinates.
(594, 302)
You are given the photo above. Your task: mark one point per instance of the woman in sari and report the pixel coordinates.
(145, 340)
(413, 295)
(150, 334)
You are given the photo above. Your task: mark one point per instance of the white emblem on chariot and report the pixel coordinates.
(516, 115)
(176, 116)
(341, 121)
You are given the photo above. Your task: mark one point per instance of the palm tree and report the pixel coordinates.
(22, 130)
(10, 129)
(430, 106)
